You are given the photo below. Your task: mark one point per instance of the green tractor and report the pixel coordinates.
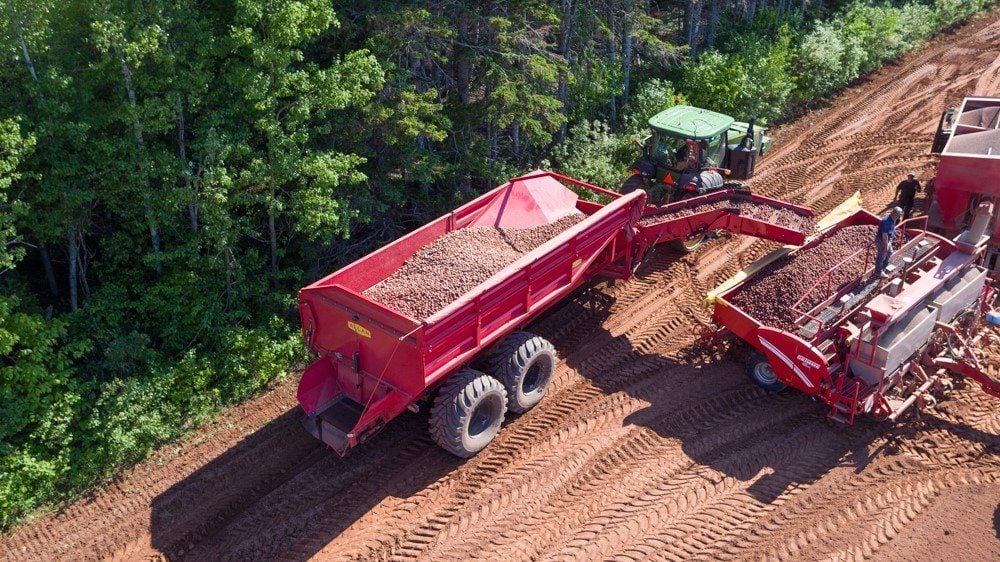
(694, 151)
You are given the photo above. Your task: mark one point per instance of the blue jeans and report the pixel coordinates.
(882, 253)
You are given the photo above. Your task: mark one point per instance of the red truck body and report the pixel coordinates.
(374, 362)
(968, 172)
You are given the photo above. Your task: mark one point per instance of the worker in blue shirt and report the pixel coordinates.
(883, 240)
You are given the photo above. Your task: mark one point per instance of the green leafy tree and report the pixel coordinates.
(13, 148)
(288, 170)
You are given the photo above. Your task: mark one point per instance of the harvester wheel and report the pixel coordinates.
(689, 245)
(761, 374)
(524, 363)
(467, 412)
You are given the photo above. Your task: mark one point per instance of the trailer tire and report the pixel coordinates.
(468, 412)
(761, 374)
(524, 363)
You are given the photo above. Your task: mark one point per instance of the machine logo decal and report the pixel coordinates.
(786, 360)
(359, 330)
(577, 262)
(807, 362)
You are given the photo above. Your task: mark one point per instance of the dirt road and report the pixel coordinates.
(643, 448)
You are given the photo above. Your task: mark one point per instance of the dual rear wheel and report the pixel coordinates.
(470, 407)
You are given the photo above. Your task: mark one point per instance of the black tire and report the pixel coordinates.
(633, 183)
(467, 412)
(736, 185)
(524, 363)
(761, 374)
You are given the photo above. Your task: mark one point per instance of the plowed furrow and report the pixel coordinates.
(631, 464)
(862, 528)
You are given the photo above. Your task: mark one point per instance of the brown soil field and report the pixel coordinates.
(644, 448)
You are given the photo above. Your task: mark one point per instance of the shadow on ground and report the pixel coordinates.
(280, 493)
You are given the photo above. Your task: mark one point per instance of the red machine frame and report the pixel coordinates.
(817, 358)
(374, 362)
(965, 178)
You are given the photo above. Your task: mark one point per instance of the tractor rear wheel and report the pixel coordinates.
(762, 374)
(524, 363)
(633, 183)
(467, 412)
(736, 185)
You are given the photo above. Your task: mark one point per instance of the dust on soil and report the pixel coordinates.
(643, 449)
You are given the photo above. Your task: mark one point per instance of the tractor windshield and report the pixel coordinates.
(669, 150)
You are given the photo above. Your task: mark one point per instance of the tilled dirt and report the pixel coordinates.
(775, 215)
(644, 449)
(449, 267)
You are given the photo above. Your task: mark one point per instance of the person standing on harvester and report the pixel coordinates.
(883, 240)
(906, 191)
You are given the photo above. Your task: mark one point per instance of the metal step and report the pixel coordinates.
(843, 407)
(839, 418)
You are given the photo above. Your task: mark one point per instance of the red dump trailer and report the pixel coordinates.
(374, 362)
(864, 344)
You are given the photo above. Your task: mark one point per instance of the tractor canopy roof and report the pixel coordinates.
(690, 122)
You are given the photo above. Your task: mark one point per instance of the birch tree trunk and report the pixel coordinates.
(24, 50)
(627, 52)
(182, 152)
(154, 231)
(74, 258)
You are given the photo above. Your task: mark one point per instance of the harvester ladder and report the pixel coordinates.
(844, 401)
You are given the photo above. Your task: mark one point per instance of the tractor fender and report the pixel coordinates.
(705, 181)
(796, 362)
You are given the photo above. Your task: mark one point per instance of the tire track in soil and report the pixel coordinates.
(635, 457)
(630, 431)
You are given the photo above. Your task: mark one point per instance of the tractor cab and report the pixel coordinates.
(685, 138)
(691, 151)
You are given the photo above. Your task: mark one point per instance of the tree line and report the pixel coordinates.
(172, 171)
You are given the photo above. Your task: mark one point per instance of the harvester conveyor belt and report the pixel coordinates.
(835, 310)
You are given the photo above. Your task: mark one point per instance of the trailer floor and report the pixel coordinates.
(644, 449)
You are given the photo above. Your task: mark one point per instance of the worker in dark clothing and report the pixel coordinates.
(929, 194)
(906, 191)
(883, 240)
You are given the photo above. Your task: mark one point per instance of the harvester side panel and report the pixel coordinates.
(795, 361)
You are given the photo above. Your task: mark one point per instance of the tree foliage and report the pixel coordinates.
(171, 171)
